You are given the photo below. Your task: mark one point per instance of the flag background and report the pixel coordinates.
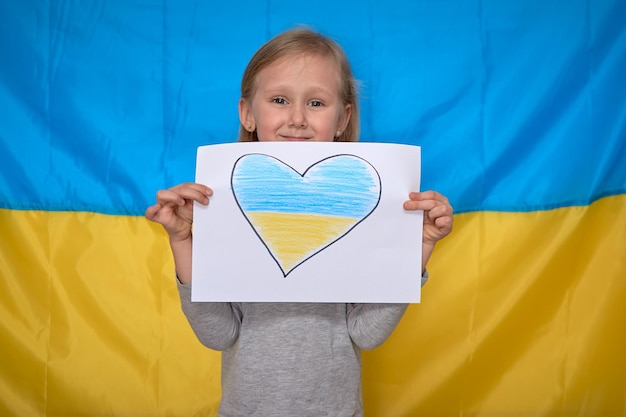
(520, 109)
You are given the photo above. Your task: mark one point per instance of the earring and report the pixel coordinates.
(338, 133)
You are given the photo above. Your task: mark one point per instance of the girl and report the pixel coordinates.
(291, 359)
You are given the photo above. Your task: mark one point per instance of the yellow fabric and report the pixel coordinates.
(524, 315)
(90, 321)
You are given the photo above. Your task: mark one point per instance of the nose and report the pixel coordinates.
(297, 116)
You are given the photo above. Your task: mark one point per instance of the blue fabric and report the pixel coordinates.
(518, 105)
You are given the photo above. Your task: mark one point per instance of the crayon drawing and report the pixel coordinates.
(297, 215)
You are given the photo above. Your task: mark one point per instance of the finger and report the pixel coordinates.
(169, 197)
(439, 211)
(193, 191)
(180, 194)
(423, 204)
(193, 187)
(443, 222)
(151, 212)
(427, 195)
(426, 200)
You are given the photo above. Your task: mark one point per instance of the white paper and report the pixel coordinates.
(307, 222)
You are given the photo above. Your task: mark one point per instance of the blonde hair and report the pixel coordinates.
(303, 41)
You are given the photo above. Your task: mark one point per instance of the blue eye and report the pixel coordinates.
(316, 103)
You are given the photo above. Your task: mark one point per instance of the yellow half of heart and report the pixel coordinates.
(294, 237)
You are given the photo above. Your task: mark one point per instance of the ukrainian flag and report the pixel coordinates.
(520, 109)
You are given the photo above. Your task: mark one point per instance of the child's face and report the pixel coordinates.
(296, 99)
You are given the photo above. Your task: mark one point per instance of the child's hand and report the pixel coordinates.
(174, 208)
(437, 214)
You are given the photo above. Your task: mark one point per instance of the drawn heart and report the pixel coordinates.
(298, 215)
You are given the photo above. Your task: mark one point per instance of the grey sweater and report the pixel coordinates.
(290, 359)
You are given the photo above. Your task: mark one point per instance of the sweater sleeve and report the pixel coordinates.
(215, 324)
(371, 324)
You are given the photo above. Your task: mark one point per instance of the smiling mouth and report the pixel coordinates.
(295, 138)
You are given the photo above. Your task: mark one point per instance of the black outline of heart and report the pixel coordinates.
(380, 190)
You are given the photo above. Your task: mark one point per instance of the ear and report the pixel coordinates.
(344, 118)
(246, 117)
